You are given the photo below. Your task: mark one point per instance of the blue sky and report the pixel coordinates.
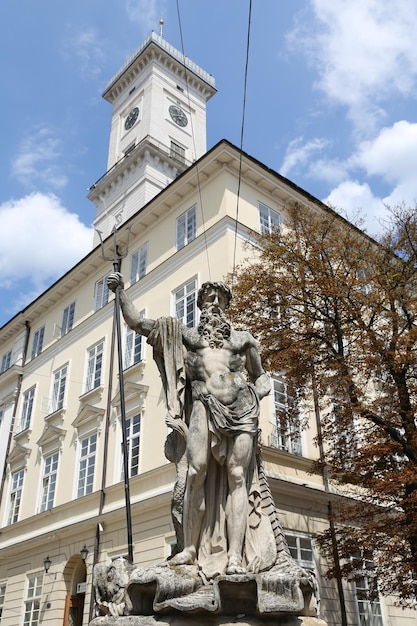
(331, 104)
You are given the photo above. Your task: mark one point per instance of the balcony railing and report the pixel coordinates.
(148, 140)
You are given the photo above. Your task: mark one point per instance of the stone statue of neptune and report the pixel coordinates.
(222, 509)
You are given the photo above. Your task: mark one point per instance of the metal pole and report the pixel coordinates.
(116, 260)
(123, 420)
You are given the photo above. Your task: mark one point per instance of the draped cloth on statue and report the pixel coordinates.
(224, 423)
(168, 353)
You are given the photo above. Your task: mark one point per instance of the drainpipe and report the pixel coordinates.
(18, 390)
(104, 470)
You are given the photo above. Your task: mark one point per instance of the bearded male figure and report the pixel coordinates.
(224, 519)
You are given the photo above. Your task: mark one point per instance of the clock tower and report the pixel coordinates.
(158, 129)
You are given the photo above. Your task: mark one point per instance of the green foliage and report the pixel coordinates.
(331, 305)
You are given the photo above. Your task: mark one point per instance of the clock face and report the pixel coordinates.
(178, 115)
(131, 118)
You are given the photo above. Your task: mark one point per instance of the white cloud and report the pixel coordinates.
(85, 51)
(391, 157)
(392, 154)
(303, 158)
(299, 153)
(38, 160)
(363, 51)
(353, 200)
(146, 12)
(39, 241)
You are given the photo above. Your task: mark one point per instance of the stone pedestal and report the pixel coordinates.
(165, 595)
(205, 620)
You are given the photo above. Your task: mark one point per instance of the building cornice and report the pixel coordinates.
(156, 48)
(11, 375)
(150, 490)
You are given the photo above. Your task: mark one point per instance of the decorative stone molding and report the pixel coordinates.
(18, 457)
(135, 393)
(155, 48)
(88, 419)
(23, 436)
(10, 375)
(135, 371)
(94, 394)
(52, 437)
(56, 418)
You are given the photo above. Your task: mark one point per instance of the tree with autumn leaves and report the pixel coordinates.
(336, 312)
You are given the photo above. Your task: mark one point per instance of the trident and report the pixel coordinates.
(116, 260)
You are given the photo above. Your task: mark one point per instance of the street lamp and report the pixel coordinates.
(84, 553)
(47, 564)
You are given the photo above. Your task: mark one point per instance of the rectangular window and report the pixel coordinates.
(269, 219)
(139, 263)
(15, 496)
(2, 598)
(50, 470)
(58, 388)
(101, 293)
(87, 464)
(133, 347)
(286, 433)
(68, 319)
(177, 151)
(94, 366)
(370, 613)
(27, 409)
(364, 282)
(301, 549)
(38, 342)
(185, 303)
(5, 361)
(33, 600)
(133, 442)
(186, 227)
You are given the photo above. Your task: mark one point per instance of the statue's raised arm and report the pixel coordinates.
(131, 315)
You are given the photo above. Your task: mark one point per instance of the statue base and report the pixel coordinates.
(163, 591)
(207, 620)
(174, 596)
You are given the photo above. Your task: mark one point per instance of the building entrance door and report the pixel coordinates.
(74, 606)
